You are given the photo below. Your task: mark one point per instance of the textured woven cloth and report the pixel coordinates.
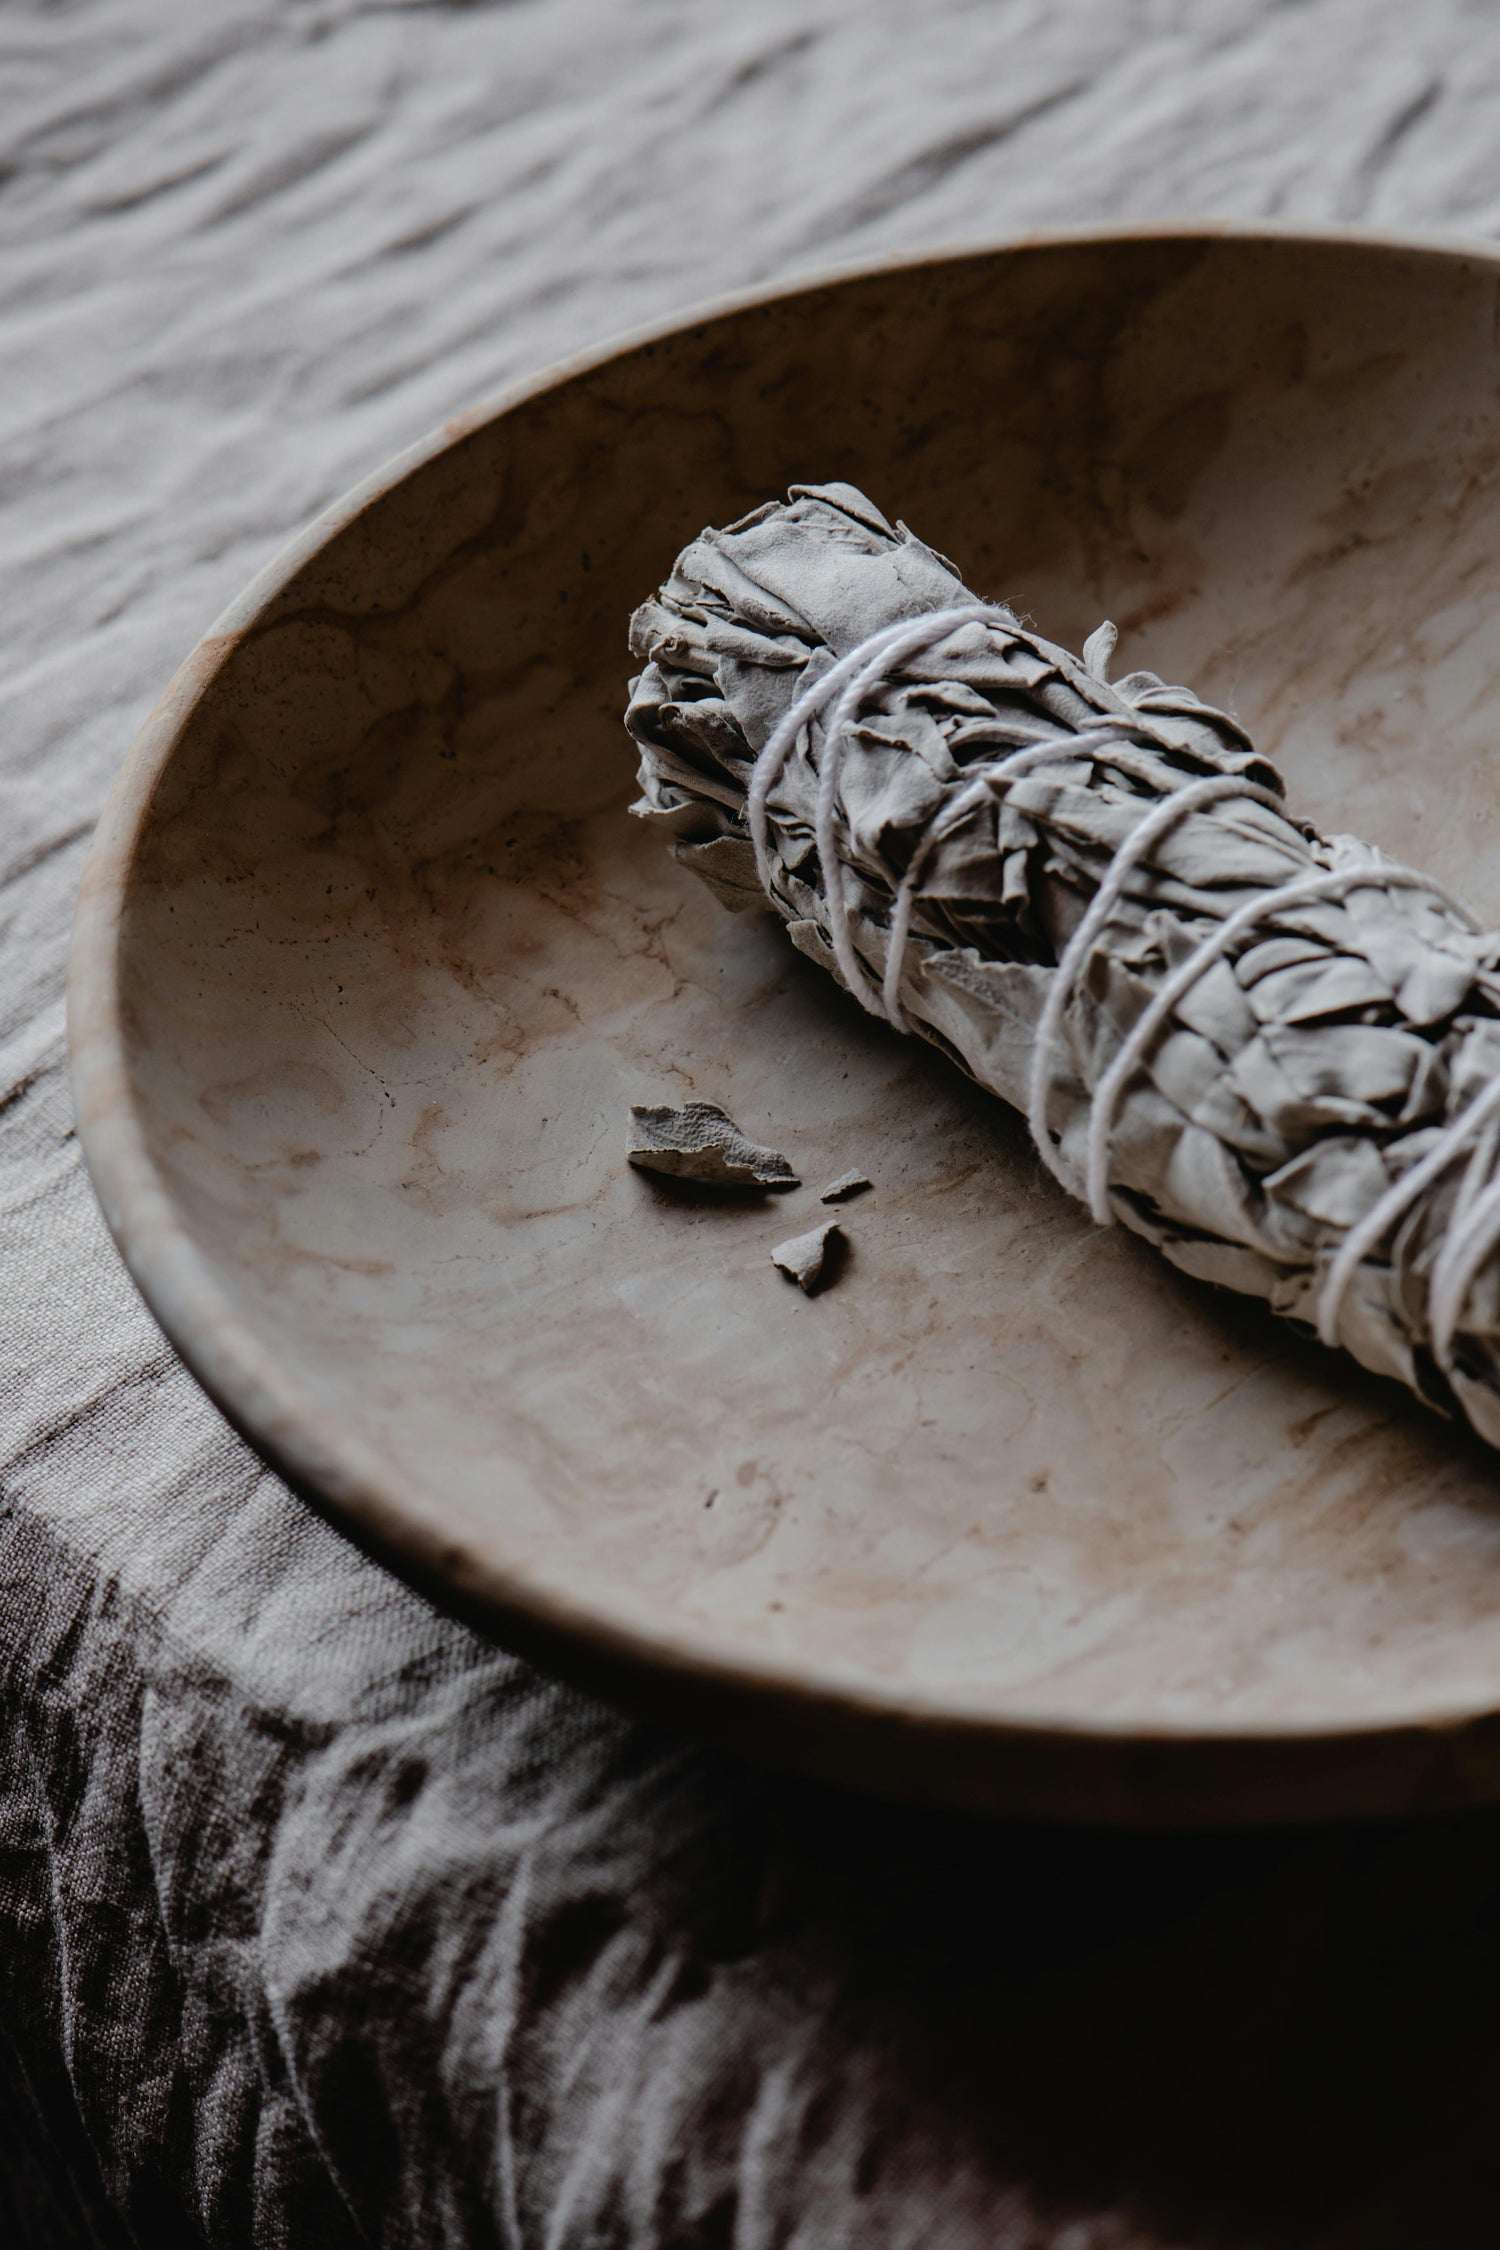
(322, 1921)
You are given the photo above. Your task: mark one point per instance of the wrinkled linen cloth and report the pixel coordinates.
(322, 1920)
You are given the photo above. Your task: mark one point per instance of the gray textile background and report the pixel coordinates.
(320, 1921)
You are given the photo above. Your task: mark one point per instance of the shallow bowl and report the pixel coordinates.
(370, 961)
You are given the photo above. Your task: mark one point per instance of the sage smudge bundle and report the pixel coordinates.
(1274, 1053)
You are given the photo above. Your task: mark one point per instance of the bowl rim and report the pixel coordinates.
(308, 1444)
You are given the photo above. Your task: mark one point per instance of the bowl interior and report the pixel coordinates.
(393, 961)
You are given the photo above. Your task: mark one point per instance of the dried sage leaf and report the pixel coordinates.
(804, 1256)
(702, 1142)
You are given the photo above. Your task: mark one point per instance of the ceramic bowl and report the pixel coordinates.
(370, 962)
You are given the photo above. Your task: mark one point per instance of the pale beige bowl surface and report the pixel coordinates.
(370, 962)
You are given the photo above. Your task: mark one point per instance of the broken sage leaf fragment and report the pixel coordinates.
(804, 1257)
(702, 1142)
(1272, 1052)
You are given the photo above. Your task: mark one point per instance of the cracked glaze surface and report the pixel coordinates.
(371, 965)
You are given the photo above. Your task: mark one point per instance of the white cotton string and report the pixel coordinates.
(952, 815)
(777, 748)
(1447, 1285)
(1382, 1215)
(1465, 1248)
(1476, 1172)
(1372, 875)
(1474, 1229)
(887, 649)
(1081, 944)
(851, 679)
